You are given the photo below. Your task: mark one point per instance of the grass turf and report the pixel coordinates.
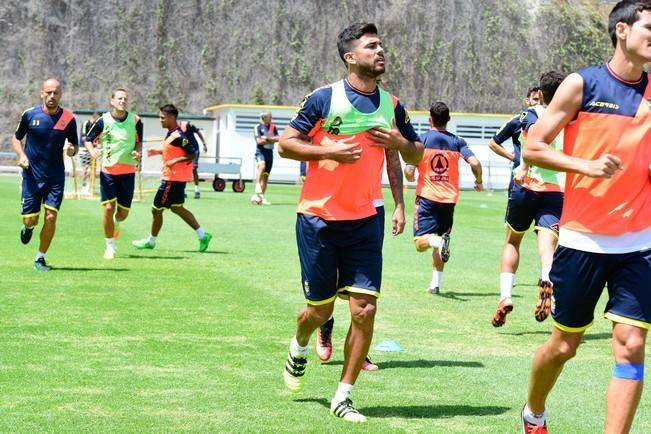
(172, 340)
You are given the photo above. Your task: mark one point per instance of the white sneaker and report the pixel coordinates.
(346, 411)
(265, 201)
(109, 253)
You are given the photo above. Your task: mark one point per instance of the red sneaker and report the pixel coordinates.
(532, 428)
(324, 340)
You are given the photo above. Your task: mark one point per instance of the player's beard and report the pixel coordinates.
(372, 71)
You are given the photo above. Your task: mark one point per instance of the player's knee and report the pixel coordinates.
(363, 313)
(30, 221)
(630, 348)
(177, 209)
(564, 351)
(50, 217)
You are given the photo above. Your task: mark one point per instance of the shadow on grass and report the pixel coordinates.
(153, 257)
(537, 332)
(452, 295)
(89, 269)
(420, 363)
(421, 411)
(208, 252)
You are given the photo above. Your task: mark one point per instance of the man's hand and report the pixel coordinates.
(95, 152)
(518, 178)
(603, 167)
(136, 155)
(390, 138)
(23, 161)
(398, 220)
(69, 150)
(342, 151)
(153, 151)
(410, 172)
(479, 185)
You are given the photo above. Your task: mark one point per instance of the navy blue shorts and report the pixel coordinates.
(35, 193)
(266, 155)
(169, 194)
(117, 187)
(339, 257)
(526, 206)
(432, 217)
(579, 279)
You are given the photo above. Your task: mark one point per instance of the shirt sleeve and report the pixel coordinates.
(312, 110)
(139, 129)
(403, 122)
(95, 130)
(72, 133)
(465, 151)
(507, 130)
(528, 119)
(23, 126)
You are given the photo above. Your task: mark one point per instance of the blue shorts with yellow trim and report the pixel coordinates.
(117, 187)
(579, 279)
(526, 206)
(266, 155)
(35, 193)
(339, 257)
(432, 217)
(169, 194)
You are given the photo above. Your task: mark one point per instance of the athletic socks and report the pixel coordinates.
(196, 189)
(343, 392)
(436, 279)
(434, 241)
(39, 255)
(531, 417)
(152, 239)
(110, 242)
(296, 350)
(506, 285)
(200, 232)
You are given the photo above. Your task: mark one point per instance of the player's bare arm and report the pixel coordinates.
(391, 138)
(20, 152)
(475, 167)
(294, 145)
(394, 173)
(563, 108)
(499, 150)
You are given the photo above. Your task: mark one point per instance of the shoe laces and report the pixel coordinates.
(345, 407)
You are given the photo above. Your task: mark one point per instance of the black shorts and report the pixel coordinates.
(118, 188)
(169, 194)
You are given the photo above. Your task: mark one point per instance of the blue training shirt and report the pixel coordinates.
(46, 136)
(511, 130)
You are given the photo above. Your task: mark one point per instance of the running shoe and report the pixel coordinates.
(324, 340)
(544, 302)
(204, 241)
(143, 244)
(369, 366)
(504, 307)
(444, 248)
(346, 411)
(25, 234)
(294, 373)
(40, 265)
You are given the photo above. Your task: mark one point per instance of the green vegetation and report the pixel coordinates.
(171, 340)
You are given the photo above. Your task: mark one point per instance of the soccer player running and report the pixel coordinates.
(49, 132)
(437, 189)
(605, 228)
(535, 197)
(266, 134)
(338, 231)
(120, 138)
(178, 153)
(511, 130)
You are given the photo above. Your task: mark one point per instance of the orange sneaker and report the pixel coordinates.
(544, 303)
(532, 428)
(504, 307)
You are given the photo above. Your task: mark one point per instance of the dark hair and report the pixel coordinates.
(549, 82)
(627, 12)
(348, 36)
(169, 109)
(531, 90)
(440, 114)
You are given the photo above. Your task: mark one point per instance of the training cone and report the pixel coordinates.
(388, 346)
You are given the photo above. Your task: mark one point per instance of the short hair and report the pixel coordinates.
(627, 12)
(118, 89)
(531, 90)
(549, 82)
(348, 36)
(169, 109)
(264, 114)
(440, 113)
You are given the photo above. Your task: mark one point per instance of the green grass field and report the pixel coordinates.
(172, 340)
